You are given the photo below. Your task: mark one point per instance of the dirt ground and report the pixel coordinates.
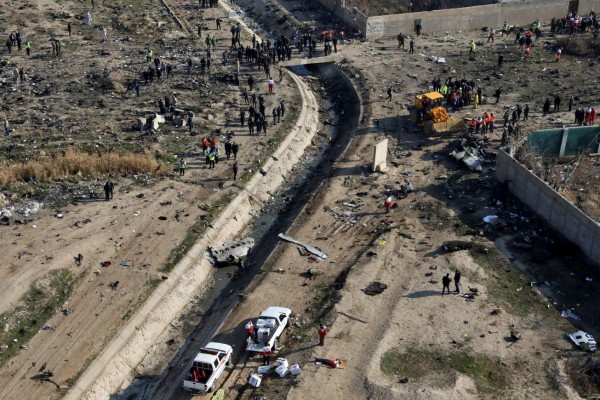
(409, 341)
(517, 265)
(69, 102)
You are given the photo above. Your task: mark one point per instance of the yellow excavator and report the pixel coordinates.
(429, 110)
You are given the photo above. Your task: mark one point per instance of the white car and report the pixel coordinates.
(207, 367)
(269, 326)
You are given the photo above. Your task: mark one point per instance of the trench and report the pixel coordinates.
(278, 215)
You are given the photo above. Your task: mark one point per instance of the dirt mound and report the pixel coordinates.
(580, 46)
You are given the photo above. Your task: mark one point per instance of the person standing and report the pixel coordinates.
(457, 277)
(250, 330)
(266, 354)
(557, 103)
(211, 159)
(182, 167)
(234, 149)
(88, 16)
(250, 82)
(558, 54)
(546, 107)
(242, 116)
(235, 170)
(498, 94)
(526, 112)
(69, 28)
(190, 122)
(109, 187)
(105, 33)
(446, 283)
(506, 118)
(387, 204)
(136, 87)
(411, 46)
(6, 127)
(227, 149)
(271, 86)
(473, 47)
(500, 60)
(323, 331)
(389, 93)
(571, 102)
(27, 47)
(400, 41)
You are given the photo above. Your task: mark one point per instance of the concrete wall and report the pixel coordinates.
(353, 17)
(463, 19)
(561, 214)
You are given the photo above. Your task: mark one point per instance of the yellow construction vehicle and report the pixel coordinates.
(429, 110)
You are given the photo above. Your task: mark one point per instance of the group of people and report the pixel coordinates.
(573, 23)
(585, 116)
(257, 120)
(458, 93)
(483, 123)
(446, 280)
(15, 39)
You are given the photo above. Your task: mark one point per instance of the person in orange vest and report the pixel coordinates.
(266, 354)
(323, 331)
(388, 204)
(486, 120)
(491, 121)
(472, 124)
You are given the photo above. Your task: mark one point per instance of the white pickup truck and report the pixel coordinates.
(269, 326)
(207, 367)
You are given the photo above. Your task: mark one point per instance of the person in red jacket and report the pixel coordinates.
(266, 354)
(323, 331)
(250, 330)
(388, 204)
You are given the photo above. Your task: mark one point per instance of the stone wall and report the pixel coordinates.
(561, 214)
(471, 18)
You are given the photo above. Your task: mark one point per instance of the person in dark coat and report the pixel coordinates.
(446, 283)
(457, 281)
(109, 187)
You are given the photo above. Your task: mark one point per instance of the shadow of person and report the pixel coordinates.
(423, 293)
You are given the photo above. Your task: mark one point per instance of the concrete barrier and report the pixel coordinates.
(560, 213)
(468, 18)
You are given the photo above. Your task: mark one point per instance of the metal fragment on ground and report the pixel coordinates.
(308, 247)
(232, 252)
